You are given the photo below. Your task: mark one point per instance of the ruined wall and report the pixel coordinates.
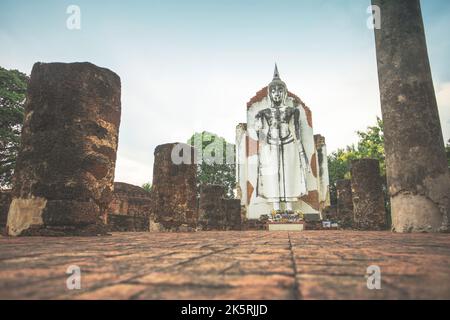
(123, 223)
(367, 195)
(344, 203)
(65, 168)
(5, 201)
(129, 208)
(233, 213)
(174, 206)
(330, 213)
(212, 214)
(216, 212)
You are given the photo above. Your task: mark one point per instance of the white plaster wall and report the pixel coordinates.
(324, 180)
(241, 165)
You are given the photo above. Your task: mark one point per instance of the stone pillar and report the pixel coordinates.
(367, 195)
(211, 211)
(65, 168)
(232, 209)
(5, 201)
(174, 190)
(416, 165)
(344, 203)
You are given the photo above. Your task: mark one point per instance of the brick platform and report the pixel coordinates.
(228, 265)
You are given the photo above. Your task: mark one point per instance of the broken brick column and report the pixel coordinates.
(212, 215)
(64, 173)
(232, 209)
(344, 203)
(174, 190)
(367, 195)
(5, 201)
(416, 164)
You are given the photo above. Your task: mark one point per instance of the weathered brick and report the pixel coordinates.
(228, 265)
(344, 203)
(174, 190)
(63, 179)
(129, 208)
(369, 212)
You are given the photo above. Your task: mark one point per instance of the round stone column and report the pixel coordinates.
(416, 164)
(174, 189)
(344, 203)
(367, 195)
(65, 169)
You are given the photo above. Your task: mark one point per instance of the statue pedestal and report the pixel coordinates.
(286, 226)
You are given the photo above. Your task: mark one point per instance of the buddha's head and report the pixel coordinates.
(277, 89)
(277, 94)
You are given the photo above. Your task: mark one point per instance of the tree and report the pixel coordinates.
(218, 161)
(339, 167)
(370, 145)
(147, 186)
(13, 85)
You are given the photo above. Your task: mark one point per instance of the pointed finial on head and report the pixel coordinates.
(276, 74)
(276, 81)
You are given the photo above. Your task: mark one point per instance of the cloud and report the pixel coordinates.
(132, 171)
(443, 99)
(189, 70)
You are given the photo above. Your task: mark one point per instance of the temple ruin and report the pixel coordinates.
(63, 182)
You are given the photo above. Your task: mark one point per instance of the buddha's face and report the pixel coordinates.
(277, 93)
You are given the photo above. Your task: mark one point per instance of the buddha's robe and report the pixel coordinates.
(281, 158)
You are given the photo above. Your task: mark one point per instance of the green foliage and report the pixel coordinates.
(215, 168)
(147, 186)
(370, 145)
(339, 167)
(13, 85)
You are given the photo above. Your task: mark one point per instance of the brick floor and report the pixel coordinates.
(228, 265)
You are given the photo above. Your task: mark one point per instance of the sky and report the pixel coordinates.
(191, 66)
